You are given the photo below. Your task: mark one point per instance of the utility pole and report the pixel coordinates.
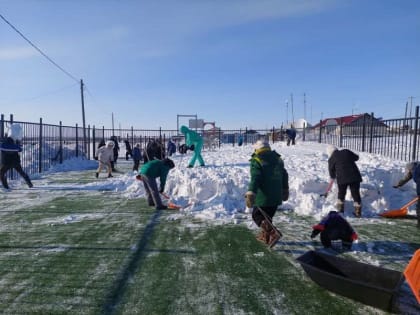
(287, 112)
(83, 116)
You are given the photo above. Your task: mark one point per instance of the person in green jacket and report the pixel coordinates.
(268, 187)
(193, 139)
(149, 172)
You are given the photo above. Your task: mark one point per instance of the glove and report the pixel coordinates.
(192, 147)
(354, 236)
(138, 177)
(161, 190)
(250, 199)
(315, 233)
(285, 194)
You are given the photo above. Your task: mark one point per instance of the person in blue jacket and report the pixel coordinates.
(136, 157)
(193, 139)
(412, 172)
(10, 158)
(171, 147)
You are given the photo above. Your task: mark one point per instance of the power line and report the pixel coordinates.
(39, 50)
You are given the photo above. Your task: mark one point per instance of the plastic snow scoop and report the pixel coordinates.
(278, 233)
(328, 189)
(171, 205)
(397, 213)
(412, 274)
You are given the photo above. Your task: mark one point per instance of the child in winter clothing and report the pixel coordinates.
(128, 150)
(149, 172)
(412, 172)
(268, 187)
(342, 166)
(116, 151)
(171, 147)
(10, 158)
(136, 157)
(193, 138)
(105, 155)
(334, 227)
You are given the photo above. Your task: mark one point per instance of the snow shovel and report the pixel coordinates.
(278, 233)
(396, 213)
(412, 274)
(328, 189)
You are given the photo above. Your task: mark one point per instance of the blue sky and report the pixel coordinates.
(233, 62)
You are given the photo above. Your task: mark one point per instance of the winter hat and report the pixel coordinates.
(15, 132)
(110, 143)
(261, 144)
(330, 150)
(183, 129)
(169, 163)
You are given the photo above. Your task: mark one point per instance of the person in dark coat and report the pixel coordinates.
(116, 152)
(154, 151)
(171, 147)
(149, 172)
(136, 157)
(10, 158)
(128, 150)
(268, 187)
(291, 135)
(342, 167)
(412, 171)
(334, 227)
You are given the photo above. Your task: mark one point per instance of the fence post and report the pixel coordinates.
(246, 135)
(60, 139)
(364, 133)
(40, 147)
(93, 141)
(77, 140)
(132, 137)
(371, 133)
(341, 133)
(88, 139)
(416, 128)
(11, 118)
(272, 135)
(304, 131)
(320, 131)
(1, 126)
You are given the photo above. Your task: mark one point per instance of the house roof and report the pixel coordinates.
(337, 120)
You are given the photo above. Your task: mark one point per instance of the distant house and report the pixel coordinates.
(352, 125)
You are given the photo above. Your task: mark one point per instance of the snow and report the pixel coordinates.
(216, 192)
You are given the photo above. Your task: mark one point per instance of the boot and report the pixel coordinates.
(357, 210)
(96, 174)
(110, 175)
(266, 227)
(340, 206)
(275, 235)
(261, 236)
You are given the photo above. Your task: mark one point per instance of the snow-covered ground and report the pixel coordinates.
(216, 192)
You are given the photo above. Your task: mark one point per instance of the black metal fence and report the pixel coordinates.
(45, 145)
(394, 138)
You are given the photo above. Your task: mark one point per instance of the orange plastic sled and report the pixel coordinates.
(412, 274)
(397, 213)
